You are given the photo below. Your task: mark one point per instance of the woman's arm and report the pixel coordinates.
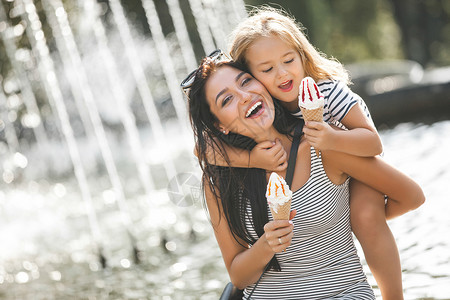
(403, 192)
(361, 138)
(245, 265)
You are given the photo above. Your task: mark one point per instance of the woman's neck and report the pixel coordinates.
(271, 135)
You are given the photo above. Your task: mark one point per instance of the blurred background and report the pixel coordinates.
(99, 189)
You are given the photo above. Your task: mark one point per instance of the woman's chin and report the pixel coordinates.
(257, 127)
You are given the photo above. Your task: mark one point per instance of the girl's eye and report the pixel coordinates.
(289, 61)
(267, 70)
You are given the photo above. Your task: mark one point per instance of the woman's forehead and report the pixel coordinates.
(224, 77)
(225, 72)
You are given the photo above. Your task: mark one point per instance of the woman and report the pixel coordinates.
(228, 106)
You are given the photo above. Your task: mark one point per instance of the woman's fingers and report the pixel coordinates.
(279, 234)
(282, 242)
(292, 214)
(276, 224)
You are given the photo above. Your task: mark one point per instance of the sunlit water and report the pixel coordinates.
(46, 249)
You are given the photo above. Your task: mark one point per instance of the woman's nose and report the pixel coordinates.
(245, 97)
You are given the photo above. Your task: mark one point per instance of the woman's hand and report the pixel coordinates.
(320, 135)
(279, 233)
(269, 156)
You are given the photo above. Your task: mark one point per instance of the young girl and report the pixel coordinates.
(278, 54)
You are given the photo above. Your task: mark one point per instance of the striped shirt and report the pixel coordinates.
(339, 99)
(322, 261)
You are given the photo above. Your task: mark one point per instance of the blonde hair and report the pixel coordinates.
(267, 21)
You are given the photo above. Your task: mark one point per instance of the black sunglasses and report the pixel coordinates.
(186, 84)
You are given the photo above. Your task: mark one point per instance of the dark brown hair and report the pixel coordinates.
(237, 189)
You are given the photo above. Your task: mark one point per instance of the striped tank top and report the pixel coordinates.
(321, 262)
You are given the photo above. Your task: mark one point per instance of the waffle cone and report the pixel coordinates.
(313, 115)
(283, 211)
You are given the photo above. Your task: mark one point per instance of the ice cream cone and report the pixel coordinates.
(279, 197)
(313, 115)
(283, 211)
(311, 101)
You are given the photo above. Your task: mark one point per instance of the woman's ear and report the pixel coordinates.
(222, 128)
(224, 131)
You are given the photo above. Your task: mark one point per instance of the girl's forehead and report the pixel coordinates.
(265, 47)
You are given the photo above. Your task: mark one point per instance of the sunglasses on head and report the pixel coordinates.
(217, 55)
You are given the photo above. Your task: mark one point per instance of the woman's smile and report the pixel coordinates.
(239, 102)
(255, 109)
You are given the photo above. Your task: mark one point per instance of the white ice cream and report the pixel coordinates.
(310, 97)
(278, 192)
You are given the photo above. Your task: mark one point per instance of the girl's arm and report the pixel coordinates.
(245, 265)
(403, 192)
(266, 155)
(361, 138)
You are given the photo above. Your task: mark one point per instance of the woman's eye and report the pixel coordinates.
(289, 61)
(246, 80)
(226, 100)
(267, 70)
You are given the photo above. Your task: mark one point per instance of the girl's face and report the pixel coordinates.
(278, 66)
(240, 102)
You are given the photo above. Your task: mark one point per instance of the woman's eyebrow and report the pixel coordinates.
(239, 76)
(220, 94)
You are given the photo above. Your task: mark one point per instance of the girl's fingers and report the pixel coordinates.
(281, 157)
(281, 167)
(265, 145)
(314, 125)
(279, 154)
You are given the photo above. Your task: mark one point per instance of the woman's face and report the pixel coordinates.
(240, 102)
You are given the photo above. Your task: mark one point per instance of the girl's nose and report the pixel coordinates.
(281, 72)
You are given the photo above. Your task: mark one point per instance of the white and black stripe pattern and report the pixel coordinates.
(339, 99)
(322, 262)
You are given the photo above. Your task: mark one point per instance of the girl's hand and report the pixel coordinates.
(279, 233)
(320, 135)
(269, 156)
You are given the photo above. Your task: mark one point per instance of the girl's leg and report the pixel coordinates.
(367, 212)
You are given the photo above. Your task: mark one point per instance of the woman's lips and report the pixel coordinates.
(286, 86)
(257, 105)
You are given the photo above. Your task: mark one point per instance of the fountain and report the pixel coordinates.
(63, 89)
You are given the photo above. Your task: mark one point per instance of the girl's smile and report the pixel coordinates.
(286, 86)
